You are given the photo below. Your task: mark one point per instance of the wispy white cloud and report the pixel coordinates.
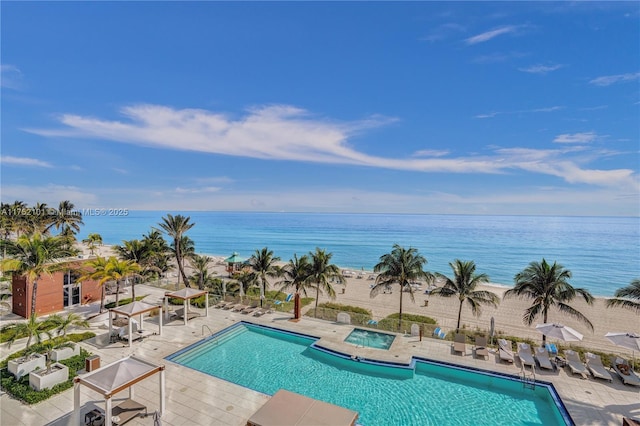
(521, 111)
(23, 161)
(584, 137)
(283, 132)
(206, 189)
(488, 35)
(541, 69)
(10, 77)
(608, 80)
(431, 153)
(443, 32)
(49, 193)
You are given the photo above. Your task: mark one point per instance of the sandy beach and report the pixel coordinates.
(508, 314)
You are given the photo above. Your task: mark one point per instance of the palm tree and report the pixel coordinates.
(175, 227)
(50, 345)
(32, 328)
(263, 263)
(159, 252)
(627, 297)
(323, 272)
(296, 277)
(246, 280)
(66, 218)
(34, 256)
(200, 264)
(547, 286)
(463, 285)
(64, 323)
(122, 270)
(92, 241)
(96, 270)
(401, 266)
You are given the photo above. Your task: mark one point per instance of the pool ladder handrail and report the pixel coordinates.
(203, 327)
(528, 380)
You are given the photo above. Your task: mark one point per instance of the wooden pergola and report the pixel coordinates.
(187, 294)
(133, 309)
(114, 378)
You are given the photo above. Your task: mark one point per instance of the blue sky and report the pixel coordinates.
(420, 107)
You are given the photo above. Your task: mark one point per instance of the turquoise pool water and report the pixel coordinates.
(266, 360)
(372, 339)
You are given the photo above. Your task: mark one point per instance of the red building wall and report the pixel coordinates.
(49, 296)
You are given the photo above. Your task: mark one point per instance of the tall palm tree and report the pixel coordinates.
(66, 218)
(41, 218)
(92, 241)
(627, 297)
(323, 273)
(296, 276)
(159, 251)
(32, 257)
(263, 263)
(463, 285)
(547, 286)
(95, 269)
(401, 266)
(175, 227)
(134, 250)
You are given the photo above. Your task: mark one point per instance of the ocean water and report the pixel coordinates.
(603, 253)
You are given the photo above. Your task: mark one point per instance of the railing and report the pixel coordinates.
(207, 327)
(528, 379)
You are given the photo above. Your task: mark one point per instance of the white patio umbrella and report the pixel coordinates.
(626, 340)
(559, 331)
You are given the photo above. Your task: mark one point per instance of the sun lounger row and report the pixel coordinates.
(479, 348)
(255, 310)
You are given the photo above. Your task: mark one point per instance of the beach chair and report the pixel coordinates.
(230, 305)
(575, 363)
(221, 304)
(288, 299)
(505, 350)
(625, 372)
(542, 356)
(594, 364)
(439, 333)
(239, 307)
(525, 355)
(460, 344)
(481, 347)
(249, 309)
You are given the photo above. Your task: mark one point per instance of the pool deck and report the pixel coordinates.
(194, 398)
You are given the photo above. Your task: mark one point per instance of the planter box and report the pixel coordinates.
(19, 367)
(39, 379)
(65, 353)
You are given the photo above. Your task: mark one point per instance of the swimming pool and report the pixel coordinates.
(372, 339)
(423, 393)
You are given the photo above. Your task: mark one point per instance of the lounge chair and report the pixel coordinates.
(460, 344)
(594, 364)
(505, 350)
(625, 372)
(249, 309)
(542, 356)
(481, 347)
(239, 307)
(525, 355)
(438, 332)
(288, 299)
(230, 305)
(221, 304)
(575, 363)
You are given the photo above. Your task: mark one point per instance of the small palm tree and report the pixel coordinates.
(322, 273)
(52, 344)
(463, 285)
(92, 241)
(121, 270)
(547, 286)
(95, 269)
(32, 329)
(200, 265)
(66, 218)
(401, 266)
(263, 263)
(64, 323)
(627, 297)
(296, 276)
(175, 227)
(34, 256)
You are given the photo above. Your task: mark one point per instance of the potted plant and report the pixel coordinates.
(32, 329)
(54, 373)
